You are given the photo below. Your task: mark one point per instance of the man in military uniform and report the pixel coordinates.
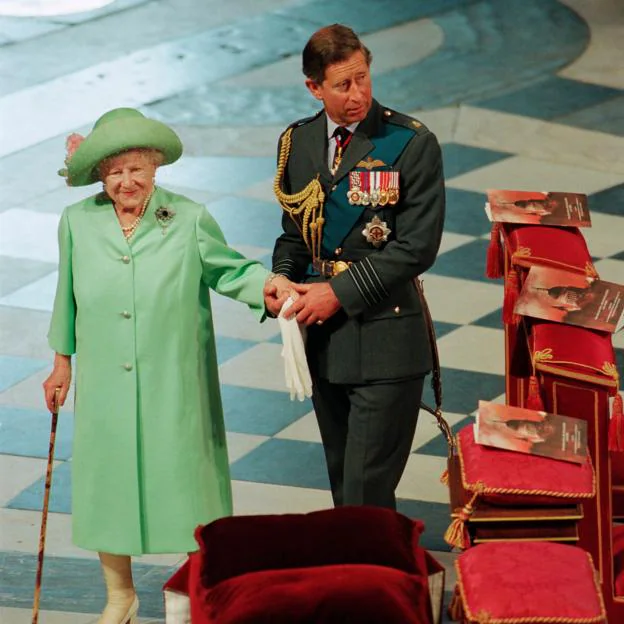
(362, 193)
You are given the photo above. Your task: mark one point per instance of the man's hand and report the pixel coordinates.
(316, 303)
(276, 290)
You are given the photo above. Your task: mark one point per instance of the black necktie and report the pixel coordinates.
(342, 136)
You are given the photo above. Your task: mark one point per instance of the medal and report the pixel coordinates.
(376, 232)
(393, 190)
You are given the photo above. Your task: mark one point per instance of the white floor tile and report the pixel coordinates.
(29, 394)
(9, 615)
(441, 121)
(20, 533)
(263, 498)
(454, 300)
(602, 62)
(479, 349)
(261, 367)
(452, 241)
(305, 429)
(548, 143)
(29, 234)
(262, 191)
(530, 173)
(18, 473)
(421, 479)
(235, 320)
(239, 444)
(416, 40)
(427, 428)
(605, 237)
(38, 295)
(611, 270)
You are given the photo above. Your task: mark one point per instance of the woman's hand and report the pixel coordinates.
(276, 290)
(60, 378)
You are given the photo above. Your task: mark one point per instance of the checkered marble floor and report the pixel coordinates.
(522, 94)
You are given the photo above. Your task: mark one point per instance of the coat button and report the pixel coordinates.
(125, 259)
(334, 187)
(128, 366)
(126, 314)
(338, 251)
(397, 310)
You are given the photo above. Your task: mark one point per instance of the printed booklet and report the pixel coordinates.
(532, 432)
(538, 208)
(572, 298)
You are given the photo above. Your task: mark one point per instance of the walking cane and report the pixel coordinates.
(46, 501)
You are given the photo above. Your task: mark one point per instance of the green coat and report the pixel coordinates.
(150, 459)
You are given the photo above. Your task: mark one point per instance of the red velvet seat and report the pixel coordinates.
(350, 564)
(529, 582)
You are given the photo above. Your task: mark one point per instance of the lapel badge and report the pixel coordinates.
(376, 232)
(371, 163)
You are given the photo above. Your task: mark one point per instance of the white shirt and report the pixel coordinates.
(331, 141)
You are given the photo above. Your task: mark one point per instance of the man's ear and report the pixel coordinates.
(314, 88)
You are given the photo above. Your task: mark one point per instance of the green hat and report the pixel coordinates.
(119, 130)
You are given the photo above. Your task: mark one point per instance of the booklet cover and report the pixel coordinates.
(538, 208)
(532, 432)
(572, 298)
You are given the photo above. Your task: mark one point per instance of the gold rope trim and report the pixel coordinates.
(580, 376)
(483, 617)
(480, 488)
(305, 207)
(524, 252)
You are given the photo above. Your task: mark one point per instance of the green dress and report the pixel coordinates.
(150, 459)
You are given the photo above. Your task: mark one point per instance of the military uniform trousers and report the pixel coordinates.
(367, 433)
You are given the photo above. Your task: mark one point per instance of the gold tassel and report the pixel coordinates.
(457, 534)
(444, 477)
(456, 607)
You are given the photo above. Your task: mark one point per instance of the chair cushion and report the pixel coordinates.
(575, 352)
(558, 247)
(529, 582)
(618, 559)
(327, 594)
(511, 478)
(345, 535)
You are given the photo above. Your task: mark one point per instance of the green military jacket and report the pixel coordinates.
(380, 332)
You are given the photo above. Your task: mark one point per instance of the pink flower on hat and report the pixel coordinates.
(72, 143)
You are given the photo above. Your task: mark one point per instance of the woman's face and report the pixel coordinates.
(129, 178)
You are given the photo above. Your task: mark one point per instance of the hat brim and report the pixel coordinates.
(118, 136)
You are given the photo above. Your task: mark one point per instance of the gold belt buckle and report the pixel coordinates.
(340, 266)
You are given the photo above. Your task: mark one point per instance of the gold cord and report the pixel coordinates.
(305, 207)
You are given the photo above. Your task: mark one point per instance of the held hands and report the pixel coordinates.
(315, 303)
(60, 378)
(277, 289)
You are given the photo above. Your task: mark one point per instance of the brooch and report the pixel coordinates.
(164, 216)
(376, 232)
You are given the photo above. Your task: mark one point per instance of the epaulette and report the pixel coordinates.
(305, 120)
(400, 119)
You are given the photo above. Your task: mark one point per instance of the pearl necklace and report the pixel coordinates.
(129, 230)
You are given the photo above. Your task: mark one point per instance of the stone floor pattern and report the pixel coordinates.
(523, 94)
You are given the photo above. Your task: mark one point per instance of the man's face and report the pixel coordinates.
(346, 91)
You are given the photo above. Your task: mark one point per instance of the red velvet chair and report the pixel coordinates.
(349, 564)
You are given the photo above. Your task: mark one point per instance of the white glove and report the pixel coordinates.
(298, 380)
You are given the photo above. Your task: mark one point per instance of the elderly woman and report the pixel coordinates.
(132, 302)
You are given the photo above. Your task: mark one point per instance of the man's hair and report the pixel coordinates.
(329, 45)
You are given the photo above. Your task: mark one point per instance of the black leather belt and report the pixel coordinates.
(330, 268)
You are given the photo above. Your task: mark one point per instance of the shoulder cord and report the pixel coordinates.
(305, 207)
